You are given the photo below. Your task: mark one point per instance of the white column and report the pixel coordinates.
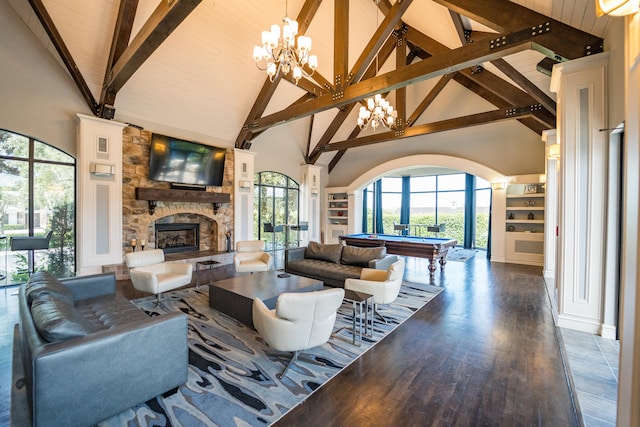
(310, 199)
(581, 88)
(550, 212)
(99, 217)
(629, 386)
(243, 164)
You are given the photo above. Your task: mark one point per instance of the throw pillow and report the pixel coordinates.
(44, 282)
(352, 255)
(322, 252)
(57, 320)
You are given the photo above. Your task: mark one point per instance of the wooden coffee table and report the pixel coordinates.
(234, 296)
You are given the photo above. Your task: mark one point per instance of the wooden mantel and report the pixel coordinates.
(152, 195)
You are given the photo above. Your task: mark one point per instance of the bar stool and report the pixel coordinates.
(207, 265)
(269, 228)
(31, 244)
(301, 226)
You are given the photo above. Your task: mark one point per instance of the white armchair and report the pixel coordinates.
(299, 322)
(250, 256)
(384, 285)
(150, 273)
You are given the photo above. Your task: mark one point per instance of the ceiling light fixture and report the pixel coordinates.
(377, 112)
(280, 53)
(617, 7)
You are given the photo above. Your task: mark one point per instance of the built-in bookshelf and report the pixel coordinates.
(524, 223)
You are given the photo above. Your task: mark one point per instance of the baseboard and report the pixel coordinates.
(609, 332)
(578, 325)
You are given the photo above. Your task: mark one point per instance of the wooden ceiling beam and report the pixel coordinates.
(533, 90)
(260, 104)
(162, 22)
(526, 84)
(459, 26)
(494, 116)
(383, 55)
(495, 86)
(65, 55)
(496, 100)
(503, 89)
(401, 92)
(379, 37)
(119, 43)
(250, 137)
(457, 59)
(340, 42)
(557, 40)
(431, 96)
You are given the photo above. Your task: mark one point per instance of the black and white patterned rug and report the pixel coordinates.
(233, 373)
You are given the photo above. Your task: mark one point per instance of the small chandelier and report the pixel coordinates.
(280, 54)
(377, 112)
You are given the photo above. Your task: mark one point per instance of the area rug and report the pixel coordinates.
(461, 254)
(233, 374)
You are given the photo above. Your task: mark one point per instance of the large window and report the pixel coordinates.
(37, 194)
(276, 198)
(459, 201)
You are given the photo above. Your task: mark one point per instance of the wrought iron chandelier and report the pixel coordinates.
(377, 112)
(279, 53)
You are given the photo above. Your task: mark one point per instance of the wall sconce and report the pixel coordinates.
(499, 185)
(617, 7)
(554, 151)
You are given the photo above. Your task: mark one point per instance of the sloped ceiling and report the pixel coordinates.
(202, 83)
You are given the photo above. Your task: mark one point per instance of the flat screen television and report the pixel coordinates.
(184, 162)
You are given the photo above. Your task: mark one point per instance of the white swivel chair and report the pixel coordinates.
(150, 273)
(384, 285)
(299, 322)
(250, 256)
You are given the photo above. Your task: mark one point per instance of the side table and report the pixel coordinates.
(206, 264)
(358, 300)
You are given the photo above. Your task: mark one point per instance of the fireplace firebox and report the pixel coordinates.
(172, 238)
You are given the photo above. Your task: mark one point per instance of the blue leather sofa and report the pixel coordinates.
(89, 354)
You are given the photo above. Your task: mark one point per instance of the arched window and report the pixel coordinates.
(276, 201)
(37, 194)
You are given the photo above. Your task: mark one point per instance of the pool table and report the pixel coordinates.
(432, 248)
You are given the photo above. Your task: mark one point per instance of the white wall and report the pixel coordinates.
(39, 98)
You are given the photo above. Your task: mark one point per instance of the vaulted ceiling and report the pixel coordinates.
(186, 65)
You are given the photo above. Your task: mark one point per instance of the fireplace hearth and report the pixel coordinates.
(172, 238)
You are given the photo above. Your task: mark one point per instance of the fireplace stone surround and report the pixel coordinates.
(140, 225)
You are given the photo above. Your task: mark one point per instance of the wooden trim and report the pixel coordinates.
(499, 115)
(340, 42)
(119, 42)
(162, 22)
(457, 59)
(505, 16)
(63, 51)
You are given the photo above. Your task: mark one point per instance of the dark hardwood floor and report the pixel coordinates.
(482, 353)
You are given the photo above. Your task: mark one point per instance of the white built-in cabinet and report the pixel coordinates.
(524, 223)
(337, 214)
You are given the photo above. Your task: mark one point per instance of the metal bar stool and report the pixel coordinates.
(31, 244)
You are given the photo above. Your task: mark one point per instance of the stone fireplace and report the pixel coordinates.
(172, 238)
(139, 222)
